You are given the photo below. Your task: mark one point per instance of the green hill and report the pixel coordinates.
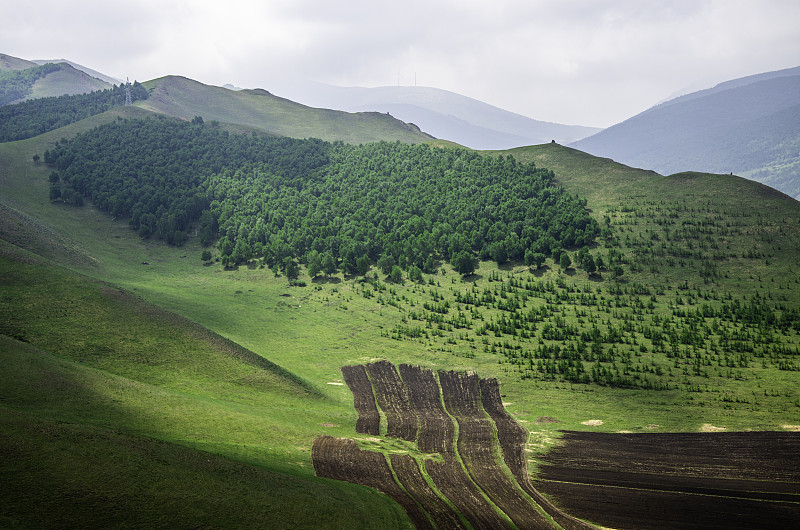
(67, 80)
(258, 109)
(137, 376)
(8, 62)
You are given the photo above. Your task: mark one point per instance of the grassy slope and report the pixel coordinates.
(185, 98)
(104, 395)
(315, 330)
(68, 80)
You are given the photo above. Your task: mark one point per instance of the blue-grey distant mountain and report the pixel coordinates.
(748, 126)
(443, 114)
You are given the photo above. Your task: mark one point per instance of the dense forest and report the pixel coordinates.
(16, 84)
(329, 205)
(37, 116)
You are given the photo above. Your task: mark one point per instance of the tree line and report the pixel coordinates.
(331, 206)
(16, 84)
(38, 116)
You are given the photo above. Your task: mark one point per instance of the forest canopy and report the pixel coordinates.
(37, 116)
(347, 206)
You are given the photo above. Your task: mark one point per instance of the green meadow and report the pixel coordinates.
(142, 386)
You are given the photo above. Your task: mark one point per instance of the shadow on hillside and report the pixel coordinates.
(539, 272)
(320, 280)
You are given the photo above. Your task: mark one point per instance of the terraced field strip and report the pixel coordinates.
(369, 419)
(401, 420)
(457, 479)
(367, 468)
(436, 429)
(691, 480)
(477, 447)
(513, 437)
(407, 470)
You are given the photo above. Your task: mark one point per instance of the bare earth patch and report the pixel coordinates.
(328, 424)
(707, 427)
(337, 384)
(592, 423)
(795, 428)
(652, 426)
(546, 419)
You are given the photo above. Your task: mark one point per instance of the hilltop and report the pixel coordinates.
(22, 80)
(258, 109)
(748, 126)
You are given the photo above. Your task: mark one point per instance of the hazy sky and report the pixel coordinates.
(586, 62)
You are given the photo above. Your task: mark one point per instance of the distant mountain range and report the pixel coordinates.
(748, 126)
(443, 114)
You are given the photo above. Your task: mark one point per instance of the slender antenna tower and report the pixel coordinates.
(398, 78)
(128, 101)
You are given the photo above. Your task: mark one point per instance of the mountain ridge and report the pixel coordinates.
(747, 126)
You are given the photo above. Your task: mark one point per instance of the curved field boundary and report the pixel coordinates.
(468, 483)
(367, 468)
(478, 449)
(369, 420)
(407, 470)
(513, 437)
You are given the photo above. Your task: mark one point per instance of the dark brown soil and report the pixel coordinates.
(369, 420)
(467, 484)
(401, 421)
(686, 480)
(436, 429)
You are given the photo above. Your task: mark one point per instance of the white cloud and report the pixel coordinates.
(585, 61)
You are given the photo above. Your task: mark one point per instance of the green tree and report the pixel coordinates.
(463, 263)
(314, 263)
(329, 264)
(415, 274)
(206, 255)
(564, 261)
(396, 275)
(588, 264)
(290, 268)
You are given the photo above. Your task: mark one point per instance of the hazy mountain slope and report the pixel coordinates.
(443, 114)
(67, 80)
(8, 62)
(746, 127)
(93, 73)
(185, 98)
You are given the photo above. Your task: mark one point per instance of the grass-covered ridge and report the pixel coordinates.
(260, 110)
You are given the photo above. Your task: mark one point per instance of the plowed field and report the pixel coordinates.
(677, 480)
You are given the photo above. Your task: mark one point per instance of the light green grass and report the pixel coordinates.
(156, 386)
(185, 98)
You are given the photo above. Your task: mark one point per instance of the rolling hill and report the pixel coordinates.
(748, 126)
(442, 113)
(142, 385)
(260, 110)
(59, 79)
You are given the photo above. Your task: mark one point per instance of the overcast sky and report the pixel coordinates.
(583, 62)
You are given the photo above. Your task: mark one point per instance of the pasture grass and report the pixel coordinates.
(120, 335)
